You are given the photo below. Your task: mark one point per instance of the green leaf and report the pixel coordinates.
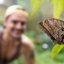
(56, 49)
(58, 7)
(35, 6)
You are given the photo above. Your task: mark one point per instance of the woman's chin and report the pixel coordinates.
(16, 36)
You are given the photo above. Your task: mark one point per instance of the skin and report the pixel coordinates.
(15, 25)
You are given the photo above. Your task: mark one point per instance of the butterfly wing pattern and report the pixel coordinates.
(54, 28)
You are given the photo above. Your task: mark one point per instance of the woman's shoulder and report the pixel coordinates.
(27, 41)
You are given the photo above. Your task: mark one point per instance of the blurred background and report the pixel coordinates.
(38, 10)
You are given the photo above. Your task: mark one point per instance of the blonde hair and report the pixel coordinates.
(15, 9)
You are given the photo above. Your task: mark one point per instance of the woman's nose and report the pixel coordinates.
(18, 26)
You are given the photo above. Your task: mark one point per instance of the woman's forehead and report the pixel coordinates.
(17, 16)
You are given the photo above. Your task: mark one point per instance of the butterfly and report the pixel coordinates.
(54, 28)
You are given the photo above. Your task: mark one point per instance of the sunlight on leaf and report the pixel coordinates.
(35, 6)
(56, 49)
(58, 6)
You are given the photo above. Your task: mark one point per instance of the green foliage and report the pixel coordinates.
(56, 49)
(58, 7)
(30, 35)
(21, 2)
(43, 57)
(1, 23)
(36, 4)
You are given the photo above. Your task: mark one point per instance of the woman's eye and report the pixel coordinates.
(23, 23)
(14, 21)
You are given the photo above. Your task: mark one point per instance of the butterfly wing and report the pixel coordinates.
(54, 28)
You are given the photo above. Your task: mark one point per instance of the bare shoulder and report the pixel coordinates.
(27, 41)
